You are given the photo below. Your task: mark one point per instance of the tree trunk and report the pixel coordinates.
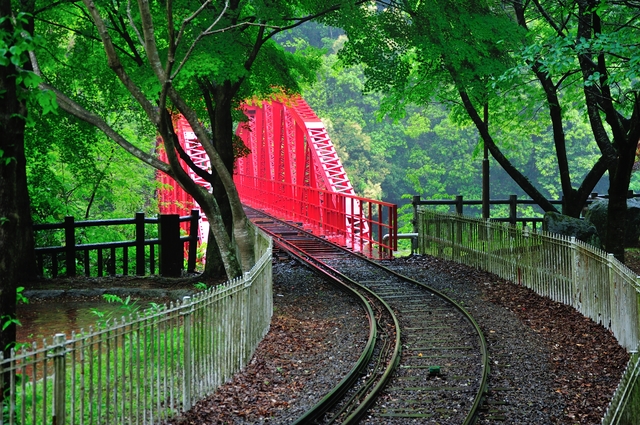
(218, 99)
(16, 229)
(619, 179)
(206, 201)
(223, 142)
(617, 213)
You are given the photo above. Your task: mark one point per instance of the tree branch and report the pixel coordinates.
(150, 41)
(516, 175)
(133, 24)
(80, 112)
(114, 63)
(593, 177)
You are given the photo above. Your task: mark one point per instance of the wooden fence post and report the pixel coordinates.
(70, 245)
(140, 237)
(513, 209)
(170, 250)
(459, 204)
(636, 325)
(193, 240)
(415, 201)
(457, 243)
(59, 376)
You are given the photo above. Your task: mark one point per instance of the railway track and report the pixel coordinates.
(426, 358)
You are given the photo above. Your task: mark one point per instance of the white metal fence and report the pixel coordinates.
(147, 368)
(561, 268)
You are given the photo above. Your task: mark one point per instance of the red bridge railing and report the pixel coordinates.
(336, 216)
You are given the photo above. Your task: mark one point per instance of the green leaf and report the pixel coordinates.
(48, 102)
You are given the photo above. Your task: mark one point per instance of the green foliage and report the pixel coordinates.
(201, 286)
(74, 169)
(15, 46)
(5, 159)
(20, 298)
(127, 306)
(9, 319)
(434, 150)
(432, 52)
(431, 49)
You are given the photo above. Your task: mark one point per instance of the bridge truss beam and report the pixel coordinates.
(293, 172)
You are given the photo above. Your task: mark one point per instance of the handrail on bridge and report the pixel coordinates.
(357, 223)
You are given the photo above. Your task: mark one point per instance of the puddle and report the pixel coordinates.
(44, 319)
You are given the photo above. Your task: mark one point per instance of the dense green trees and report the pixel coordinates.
(501, 64)
(429, 151)
(80, 173)
(126, 70)
(197, 59)
(591, 46)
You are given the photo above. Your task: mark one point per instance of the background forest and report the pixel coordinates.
(430, 151)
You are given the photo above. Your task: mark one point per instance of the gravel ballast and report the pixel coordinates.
(549, 364)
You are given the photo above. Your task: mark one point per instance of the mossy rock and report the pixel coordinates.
(570, 226)
(597, 215)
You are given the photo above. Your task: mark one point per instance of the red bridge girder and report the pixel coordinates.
(290, 144)
(293, 172)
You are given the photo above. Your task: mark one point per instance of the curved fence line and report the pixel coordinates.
(561, 268)
(145, 368)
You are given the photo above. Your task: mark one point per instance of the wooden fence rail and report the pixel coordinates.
(145, 368)
(561, 268)
(167, 250)
(458, 205)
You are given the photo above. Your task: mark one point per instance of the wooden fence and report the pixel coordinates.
(512, 216)
(561, 268)
(146, 368)
(165, 251)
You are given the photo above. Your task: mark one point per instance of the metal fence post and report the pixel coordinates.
(140, 237)
(186, 383)
(70, 245)
(576, 296)
(59, 384)
(636, 326)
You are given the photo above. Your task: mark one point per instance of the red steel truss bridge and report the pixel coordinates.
(294, 173)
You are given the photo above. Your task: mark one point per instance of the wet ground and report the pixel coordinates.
(65, 305)
(44, 319)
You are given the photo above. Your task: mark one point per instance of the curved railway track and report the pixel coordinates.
(426, 358)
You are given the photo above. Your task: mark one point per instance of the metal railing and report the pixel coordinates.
(561, 268)
(351, 221)
(94, 259)
(145, 368)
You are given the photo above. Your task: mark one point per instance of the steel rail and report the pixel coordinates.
(335, 395)
(309, 252)
(486, 368)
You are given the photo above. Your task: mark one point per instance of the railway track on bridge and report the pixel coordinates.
(426, 358)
